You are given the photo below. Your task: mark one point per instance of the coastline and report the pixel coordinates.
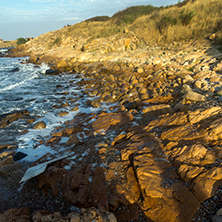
(155, 147)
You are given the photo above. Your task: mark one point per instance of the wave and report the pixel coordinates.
(12, 86)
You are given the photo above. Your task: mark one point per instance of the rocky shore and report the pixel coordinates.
(152, 152)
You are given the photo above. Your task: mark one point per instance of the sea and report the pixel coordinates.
(24, 86)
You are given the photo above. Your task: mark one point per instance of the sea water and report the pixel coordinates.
(26, 87)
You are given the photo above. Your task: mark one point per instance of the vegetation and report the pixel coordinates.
(188, 19)
(98, 19)
(129, 15)
(21, 41)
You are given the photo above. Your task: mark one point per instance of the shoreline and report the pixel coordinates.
(157, 148)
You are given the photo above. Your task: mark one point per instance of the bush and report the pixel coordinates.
(184, 18)
(129, 15)
(21, 41)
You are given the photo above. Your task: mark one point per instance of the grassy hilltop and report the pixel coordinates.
(136, 27)
(190, 19)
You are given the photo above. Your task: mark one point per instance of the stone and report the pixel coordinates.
(188, 154)
(140, 70)
(219, 92)
(73, 140)
(105, 120)
(52, 72)
(40, 125)
(118, 138)
(193, 96)
(156, 110)
(16, 214)
(14, 70)
(7, 169)
(95, 103)
(61, 64)
(197, 84)
(19, 156)
(131, 105)
(187, 78)
(7, 161)
(207, 183)
(217, 218)
(159, 194)
(75, 109)
(63, 114)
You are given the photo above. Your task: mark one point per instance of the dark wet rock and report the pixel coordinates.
(52, 72)
(15, 69)
(19, 156)
(131, 105)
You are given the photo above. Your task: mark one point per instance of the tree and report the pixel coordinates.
(21, 41)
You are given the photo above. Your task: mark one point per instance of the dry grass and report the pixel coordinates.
(191, 19)
(205, 19)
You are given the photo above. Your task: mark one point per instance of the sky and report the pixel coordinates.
(31, 18)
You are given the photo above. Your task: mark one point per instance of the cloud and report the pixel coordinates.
(56, 13)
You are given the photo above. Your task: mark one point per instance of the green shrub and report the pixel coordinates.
(129, 15)
(21, 41)
(184, 18)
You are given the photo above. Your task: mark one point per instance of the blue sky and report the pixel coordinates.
(31, 18)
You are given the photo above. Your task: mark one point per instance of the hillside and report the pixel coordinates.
(135, 28)
(5, 44)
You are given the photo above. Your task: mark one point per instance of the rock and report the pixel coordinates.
(187, 78)
(193, 96)
(61, 64)
(15, 69)
(216, 218)
(52, 72)
(92, 214)
(7, 169)
(105, 120)
(207, 183)
(188, 154)
(40, 125)
(212, 36)
(131, 105)
(157, 110)
(33, 59)
(96, 103)
(197, 84)
(63, 114)
(73, 140)
(159, 194)
(16, 215)
(6, 154)
(219, 92)
(7, 161)
(6, 119)
(140, 70)
(19, 156)
(118, 138)
(75, 109)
